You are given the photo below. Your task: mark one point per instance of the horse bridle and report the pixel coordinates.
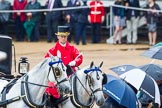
(74, 98)
(92, 91)
(54, 71)
(96, 69)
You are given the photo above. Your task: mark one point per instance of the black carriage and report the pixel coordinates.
(8, 48)
(6, 64)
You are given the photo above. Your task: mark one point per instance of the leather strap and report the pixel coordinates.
(26, 95)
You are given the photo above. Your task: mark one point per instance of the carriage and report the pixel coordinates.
(8, 48)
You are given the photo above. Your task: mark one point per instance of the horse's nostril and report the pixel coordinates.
(100, 102)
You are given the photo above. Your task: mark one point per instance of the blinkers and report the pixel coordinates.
(104, 81)
(57, 72)
(90, 80)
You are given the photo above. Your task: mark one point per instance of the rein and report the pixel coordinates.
(83, 86)
(30, 83)
(36, 84)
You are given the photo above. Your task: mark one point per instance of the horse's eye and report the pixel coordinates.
(57, 72)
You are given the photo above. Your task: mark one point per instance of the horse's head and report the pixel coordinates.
(57, 74)
(96, 78)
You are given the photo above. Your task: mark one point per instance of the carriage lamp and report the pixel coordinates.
(23, 67)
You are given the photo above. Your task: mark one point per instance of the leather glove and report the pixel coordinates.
(69, 70)
(72, 63)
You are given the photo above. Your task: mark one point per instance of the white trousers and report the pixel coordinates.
(132, 26)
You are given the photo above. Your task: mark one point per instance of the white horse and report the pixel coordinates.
(86, 88)
(28, 91)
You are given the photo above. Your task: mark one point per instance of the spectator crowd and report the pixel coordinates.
(130, 18)
(92, 13)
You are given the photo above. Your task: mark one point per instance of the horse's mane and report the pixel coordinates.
(42, 65)
(39, 66)
(81, 71)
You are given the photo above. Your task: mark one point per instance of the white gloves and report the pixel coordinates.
(72, 63)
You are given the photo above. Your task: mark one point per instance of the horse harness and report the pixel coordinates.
(74, 98)
(25, 95)
(57, 72)
(5, 90)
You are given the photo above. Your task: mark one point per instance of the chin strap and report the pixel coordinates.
(27, 97)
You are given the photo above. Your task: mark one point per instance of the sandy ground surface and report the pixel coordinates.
(111, 55)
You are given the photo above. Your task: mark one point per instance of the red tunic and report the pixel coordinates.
(20, 6)
(97, 10)
(68, 54)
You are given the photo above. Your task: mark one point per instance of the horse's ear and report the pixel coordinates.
(101, 64)
(92, 63)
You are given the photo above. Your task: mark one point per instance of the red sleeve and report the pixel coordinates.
(78, 59)
(52, 51)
